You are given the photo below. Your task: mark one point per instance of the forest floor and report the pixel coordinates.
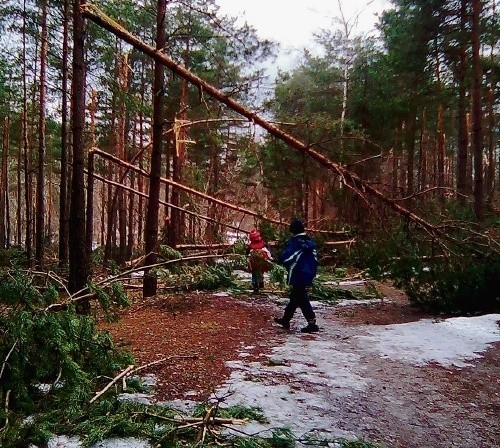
(339, 382)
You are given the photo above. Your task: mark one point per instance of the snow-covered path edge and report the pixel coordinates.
(312, 382)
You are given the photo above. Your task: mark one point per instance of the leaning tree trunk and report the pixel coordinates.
(362, 187)
(151, 228)
(79, 267)
(477, 114)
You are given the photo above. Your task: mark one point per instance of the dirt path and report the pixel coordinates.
(333, 384)
(337, 383)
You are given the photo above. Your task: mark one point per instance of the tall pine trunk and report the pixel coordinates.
(463, 136)
(151, 228)
(40, 184)
(26, 146)
(79, 267)
(4, 185)
(477, 114)
(63, 187)
(177, 226)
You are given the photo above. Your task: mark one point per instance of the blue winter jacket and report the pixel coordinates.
(300, 260)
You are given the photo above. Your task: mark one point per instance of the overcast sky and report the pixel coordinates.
(292, 22)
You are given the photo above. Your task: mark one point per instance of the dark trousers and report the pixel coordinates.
(299, 299)
(257, 279)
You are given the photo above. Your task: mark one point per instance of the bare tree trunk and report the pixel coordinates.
(140, 180)
(490, 175)
(177, 230)
(40, 185)
(79, 266)
(212, 228)
(19, 228)
(410, 154)
(4, 184)
(63, 188)
(26, 148)
(440, 152)
(463, 136)
(89, 239)
(394, 182)
(111, 209)
(151, 229)
(424, 148)
(123, 76)
(477, 114)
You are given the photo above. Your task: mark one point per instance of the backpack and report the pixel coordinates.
(259, 260)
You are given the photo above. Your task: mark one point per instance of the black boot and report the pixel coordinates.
(280, 321)
(311, 327)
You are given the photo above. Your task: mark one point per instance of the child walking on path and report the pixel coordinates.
(300, 260)
(259, 258)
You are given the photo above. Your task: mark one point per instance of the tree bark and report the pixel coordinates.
(177, 227)
(19, 228)
(4, 184)
(63, 187)
(463, 137)
(121, 138)
(477, 114)
(40, 190)
(410, 154)
(151, 229)
(79, 267)
(26, 147)
(423, 149)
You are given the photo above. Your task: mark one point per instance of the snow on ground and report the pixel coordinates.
(308, 376)
(451, 342)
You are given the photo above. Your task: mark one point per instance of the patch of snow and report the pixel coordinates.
(242, 275)
(129, 442)
(451, 342)
(348, 302)
(149, 379)
(295, 388)
(308, 377)
(74, 442)
(64, 442)
(346, 283)
(221, 294)
(138, 398)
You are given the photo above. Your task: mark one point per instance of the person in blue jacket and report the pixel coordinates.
(299, 257)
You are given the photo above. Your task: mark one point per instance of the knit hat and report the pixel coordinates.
(254, 236)
(296, 227)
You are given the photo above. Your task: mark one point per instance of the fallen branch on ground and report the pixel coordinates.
(110, 384)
